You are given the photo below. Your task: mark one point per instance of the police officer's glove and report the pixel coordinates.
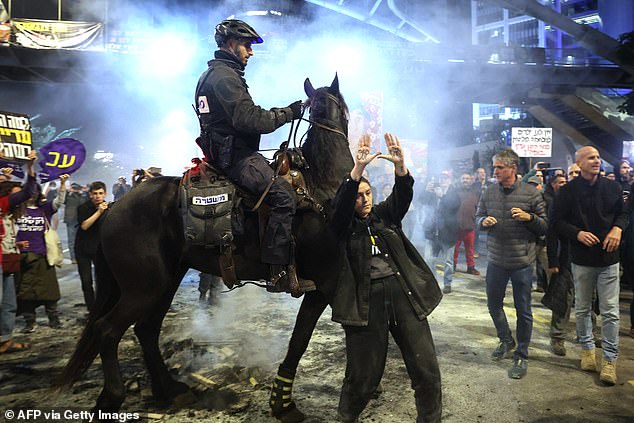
(296, 109)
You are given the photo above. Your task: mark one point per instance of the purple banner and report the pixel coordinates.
(64, 155)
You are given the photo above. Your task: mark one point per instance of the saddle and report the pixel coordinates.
(213, 208)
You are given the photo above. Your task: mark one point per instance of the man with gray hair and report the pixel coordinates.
(591, 213)
(514, 214)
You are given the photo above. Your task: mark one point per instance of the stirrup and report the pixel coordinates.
(286, 281)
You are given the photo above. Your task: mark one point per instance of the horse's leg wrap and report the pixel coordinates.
(282, 406)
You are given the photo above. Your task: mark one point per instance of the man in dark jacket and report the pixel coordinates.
(514, 214)
(120, 188)
(559, 268)
(74, 198)
(90, 216)
(231, 125)
(384, 287)
(444, 230)
(590, 212)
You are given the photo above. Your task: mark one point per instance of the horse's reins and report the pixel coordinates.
(286, 144)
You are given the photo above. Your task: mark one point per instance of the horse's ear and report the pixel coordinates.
(334, 87)
(308, 88)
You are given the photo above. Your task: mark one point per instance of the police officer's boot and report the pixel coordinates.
(283, 277)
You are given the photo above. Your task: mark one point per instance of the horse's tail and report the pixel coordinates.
(87, 347)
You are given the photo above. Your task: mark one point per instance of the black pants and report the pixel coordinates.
(28, 307)
(253, 173)
(366, 349)
(84, 268)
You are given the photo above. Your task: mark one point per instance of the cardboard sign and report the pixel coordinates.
(15, 136)
(532, 142)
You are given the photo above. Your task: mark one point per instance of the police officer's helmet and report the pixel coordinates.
(234, 28)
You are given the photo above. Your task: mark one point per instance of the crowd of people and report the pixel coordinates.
(28, 211)
(567, 233)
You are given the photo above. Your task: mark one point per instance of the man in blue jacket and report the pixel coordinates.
(384, 287)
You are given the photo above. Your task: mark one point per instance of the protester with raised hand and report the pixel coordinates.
(384, 287)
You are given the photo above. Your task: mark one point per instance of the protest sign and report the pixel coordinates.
(532, 142)
(15, 136)
(61, 156)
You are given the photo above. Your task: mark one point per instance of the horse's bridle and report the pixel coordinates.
(323, 126)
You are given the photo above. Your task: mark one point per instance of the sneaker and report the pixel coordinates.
(519, 368)
(504, 350)
(446, 289)
(476, 255)
(557, 346)
(588, 360)
(608, 372)
(473, 271)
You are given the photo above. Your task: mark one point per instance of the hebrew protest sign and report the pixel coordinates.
(532, 142)
(15, 136)
(61, 156)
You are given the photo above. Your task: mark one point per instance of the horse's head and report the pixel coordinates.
(327, 106)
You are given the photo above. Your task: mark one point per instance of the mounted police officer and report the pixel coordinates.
(231, 125)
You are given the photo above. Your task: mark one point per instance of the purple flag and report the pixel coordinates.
(64, 155)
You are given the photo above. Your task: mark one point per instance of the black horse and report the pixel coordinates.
(143, 256)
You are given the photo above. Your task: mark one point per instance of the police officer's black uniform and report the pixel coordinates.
(231, 125)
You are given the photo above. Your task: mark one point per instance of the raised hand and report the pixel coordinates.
(363, 151)
(363, 157)
(395, 153)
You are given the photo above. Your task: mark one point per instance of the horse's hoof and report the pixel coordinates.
(290, 415)
(184, 399)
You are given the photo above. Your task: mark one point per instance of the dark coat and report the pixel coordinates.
(556, 296)
(226, 108)
(350, 305)
(86, 241)
(596, 208)
(37, 281)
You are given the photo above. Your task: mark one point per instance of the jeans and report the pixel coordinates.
(445, 256)
(606, 281)
(366, 353)
(8, 307)
(71, 232)
(497, 279)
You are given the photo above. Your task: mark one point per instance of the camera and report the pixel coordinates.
(139, 172)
